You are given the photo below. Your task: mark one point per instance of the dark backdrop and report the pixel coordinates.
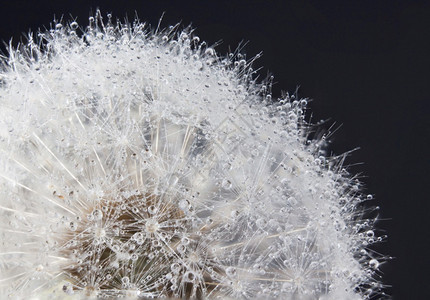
(365, 64)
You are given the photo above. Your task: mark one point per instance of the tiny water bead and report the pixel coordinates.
(144, 165)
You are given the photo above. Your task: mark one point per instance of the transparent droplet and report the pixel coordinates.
(73, 226)
(175, 267)
(68, 289)
(230, 271)
(183, 204)
(260, 223)
(97, 214)
(374, 264)
(226, 183)
(152, 209)
(190, 276)
(210, 52)
(74, 25)
(234, 214)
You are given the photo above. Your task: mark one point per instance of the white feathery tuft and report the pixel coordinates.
(140, 164)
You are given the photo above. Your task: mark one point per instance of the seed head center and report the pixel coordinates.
(151, 226)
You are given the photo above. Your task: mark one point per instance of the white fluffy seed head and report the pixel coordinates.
(140, 164)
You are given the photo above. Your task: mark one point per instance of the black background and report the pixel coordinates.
(365, 64)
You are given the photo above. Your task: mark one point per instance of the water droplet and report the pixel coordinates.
(181, 248)
(190, 276)
(183, 204)
(152, 209)
(230, 271)
(370, 233)
(175, 267)
(73, 226)
(226, 183)
(97, 214)
(234, 214)
(261, 223)
(374, 264)
(74, 25)
(210, 52)
(67, 288)
(292, 201)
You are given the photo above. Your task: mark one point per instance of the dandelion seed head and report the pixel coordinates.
(140, 164)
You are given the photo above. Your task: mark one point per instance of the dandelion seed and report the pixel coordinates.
(140, 164)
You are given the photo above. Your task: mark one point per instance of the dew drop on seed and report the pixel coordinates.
(260, 223)
(226, 183)
(152, 209)
(181, 248)
(374, 264)
(67, 288)
(72, 226)
(97, 214)
(74, 25)
(210, 51)
(292, 201)
(183, 204)
(175, 267)
(230, 271)
(190, 276)
(234, 214)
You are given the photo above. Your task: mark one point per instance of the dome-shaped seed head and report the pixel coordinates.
(138, 163)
